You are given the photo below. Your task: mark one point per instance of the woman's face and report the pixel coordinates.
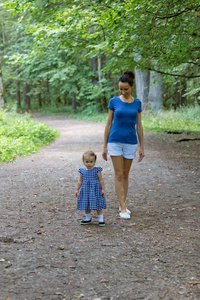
(125, 89)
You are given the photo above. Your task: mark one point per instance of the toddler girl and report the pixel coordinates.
(90, 189)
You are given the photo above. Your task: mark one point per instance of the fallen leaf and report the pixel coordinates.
(60, 248)
(20, 221)
(194, 282)
(41, 232)
(131, 225)
(79, 296)
(104, 280)
(2, 260)
(58, 293)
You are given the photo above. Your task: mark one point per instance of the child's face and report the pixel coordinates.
(89, 162)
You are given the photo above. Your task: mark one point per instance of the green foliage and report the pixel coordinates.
(21, 135)
(52, 42)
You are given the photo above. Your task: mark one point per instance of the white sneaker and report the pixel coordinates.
(127, 210)
(124, 215)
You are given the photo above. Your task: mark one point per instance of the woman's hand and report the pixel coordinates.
(104, 153)
(141, 155)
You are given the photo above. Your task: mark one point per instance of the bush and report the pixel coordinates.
(20, 135)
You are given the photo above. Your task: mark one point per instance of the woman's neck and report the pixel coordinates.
(128, 99)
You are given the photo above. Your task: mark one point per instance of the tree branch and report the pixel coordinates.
(177, 14)
(171, 74)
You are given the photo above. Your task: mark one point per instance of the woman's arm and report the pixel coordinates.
(107, 132)
(139, 130)
(101, 183)
(79, 183)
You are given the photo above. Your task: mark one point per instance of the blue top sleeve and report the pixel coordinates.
(111, 104)
(99, 169)
(80, 171)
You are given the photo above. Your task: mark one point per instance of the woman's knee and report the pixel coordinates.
(119, 175)
(125, 175)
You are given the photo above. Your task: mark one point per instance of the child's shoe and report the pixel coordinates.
(101, 224)
(84, 222)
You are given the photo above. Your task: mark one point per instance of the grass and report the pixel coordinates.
(184, 119)
(20, 135)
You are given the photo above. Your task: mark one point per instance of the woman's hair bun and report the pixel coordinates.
(129, 74)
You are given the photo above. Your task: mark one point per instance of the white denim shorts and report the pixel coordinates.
(119, 149)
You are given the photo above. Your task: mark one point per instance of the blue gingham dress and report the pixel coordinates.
(90, 197)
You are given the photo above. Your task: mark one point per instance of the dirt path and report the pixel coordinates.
(46, 254)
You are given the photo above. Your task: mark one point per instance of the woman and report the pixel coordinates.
(120, 137)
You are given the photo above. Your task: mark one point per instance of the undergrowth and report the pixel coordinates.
(184, 119)
(21, 135)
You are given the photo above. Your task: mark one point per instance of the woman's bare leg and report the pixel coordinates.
(121, 167)
(119, 188)
(126, 168)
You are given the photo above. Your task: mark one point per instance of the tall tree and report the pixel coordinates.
(155, 90)
(2, 101)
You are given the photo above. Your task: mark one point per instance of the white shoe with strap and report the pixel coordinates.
(127, 210)
(124, 215)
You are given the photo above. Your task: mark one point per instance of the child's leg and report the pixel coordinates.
(87, 215)
(87, 218)
(100, 217)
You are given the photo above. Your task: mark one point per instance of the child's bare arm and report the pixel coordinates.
(101, 183)
(79, 183)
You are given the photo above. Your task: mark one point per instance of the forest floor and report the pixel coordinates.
(46, 254)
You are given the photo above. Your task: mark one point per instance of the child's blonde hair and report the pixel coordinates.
(89, 153)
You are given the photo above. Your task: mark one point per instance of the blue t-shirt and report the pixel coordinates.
(124, 120)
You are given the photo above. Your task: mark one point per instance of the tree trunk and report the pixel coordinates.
(96, 65)
(27, 98)
(142, 86)
(178, 94)
(3, 35)
(155, 90)
(48, 93)
(2, 100)
(18, 95)
(94, 69)
(73, 101)
(183, 91)
(40, 99)
(39, 95)
(99, 68)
